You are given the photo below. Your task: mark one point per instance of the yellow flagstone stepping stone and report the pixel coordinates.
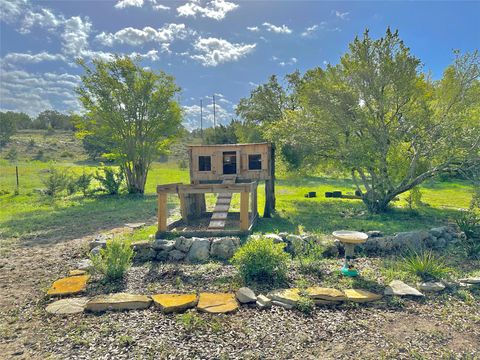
(169, 303)
(287, 296)
(67, 306)
(118, 301)
(69, 285)
(217, 303)
(358, 295)
(326, 294)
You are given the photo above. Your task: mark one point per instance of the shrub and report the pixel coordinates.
(83, 183)
(182, 164)
(262, 260)
(12, 155)
(111, 180)
(414, 198)
(425, 264)
(71, 186)
(306, 305)
(114, 260)
(55, 181)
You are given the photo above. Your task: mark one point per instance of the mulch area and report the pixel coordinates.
(436, 327)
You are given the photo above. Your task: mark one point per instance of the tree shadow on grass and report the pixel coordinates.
(81, 218)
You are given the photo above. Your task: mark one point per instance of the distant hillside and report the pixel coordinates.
(59, 145)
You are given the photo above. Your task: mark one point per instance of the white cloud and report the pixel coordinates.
(213, 51)
(160, 7)
(283, 29)
(192, 114)
(309, 31)
(150, 55)
(122, 4)
(290, 61)
(341, 15)
(215, 9)
(44, 19)
(36, 92)
(136, 37)
(32, 58)
(75, 35)
(11, 10)
(253, 28)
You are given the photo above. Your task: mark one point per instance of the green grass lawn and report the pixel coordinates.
(33, 218)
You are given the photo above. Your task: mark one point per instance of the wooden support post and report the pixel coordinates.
(183, 207)
(270, 187)
(244, 220)
(162, 212)
(254, 209)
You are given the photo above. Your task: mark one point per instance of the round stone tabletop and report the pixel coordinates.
(350, 237)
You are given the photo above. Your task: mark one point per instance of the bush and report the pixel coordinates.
(414, 198)
(425, 265)
(71, 186)
(114, 260)
(182, 164)
(83, 183)
(55, 181)
(111, 180)
(12, 155)
(262, 260)
(305, 304)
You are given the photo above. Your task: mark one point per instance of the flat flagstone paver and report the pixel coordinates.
(399, 288)
(169, 303)
(432, 286)
(287, 296)
(118, 301)
(359, 295)
(77, 272)
(217, 302)
(69, 285)
(326, 294)
(67, 306)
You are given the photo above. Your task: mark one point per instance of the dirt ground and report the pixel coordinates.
(435, 328)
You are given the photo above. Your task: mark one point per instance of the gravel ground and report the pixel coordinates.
(437, 327)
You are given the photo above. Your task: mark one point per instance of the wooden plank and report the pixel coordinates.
(168, 188)
(219, 216)
(244, 221)
(221, 208)
(217, 224)
(162, 212)
(224, 201)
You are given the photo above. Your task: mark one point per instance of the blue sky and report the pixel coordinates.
(210, 46)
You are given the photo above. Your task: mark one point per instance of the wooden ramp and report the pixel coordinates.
(220, 212)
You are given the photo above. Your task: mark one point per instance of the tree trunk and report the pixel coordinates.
(136, 178)
(376, 203)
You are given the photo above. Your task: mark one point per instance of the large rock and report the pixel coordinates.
(471, 280)
(276, 238)
(263, 302)
(164, 245)
(283, 304)
(135, 226)
(245, 295)
(162, 255)
(223, 248)
(84, 264)
(439, 231)
(183, 244)
(361, 296)
(100, 240)
(199, 251)
(217, 303)
(119, 301)
(69, 285)
(431, 286)
(411, 239)
(325, 295)
(287, 296)
(176, 255)
(67, 306)
(169, 303)
(96, 251)
(143, 251)
(399, 288)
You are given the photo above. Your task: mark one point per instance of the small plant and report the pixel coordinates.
(83, 183)
(71, 186)
(191, 321)
(40, 155)
(262, 260)
(114, 260)
(55, 181)
(125, 340)
(309, 254)
(305, 304)
(110, 179)
(31, 143)
(425, 264)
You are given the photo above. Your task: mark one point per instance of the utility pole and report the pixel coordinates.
(214, 118)
(201, 119)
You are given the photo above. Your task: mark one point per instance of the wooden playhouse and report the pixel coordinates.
(222, 170)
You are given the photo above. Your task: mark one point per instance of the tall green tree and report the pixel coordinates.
(378, 116)
(135, 109)
(7, 128)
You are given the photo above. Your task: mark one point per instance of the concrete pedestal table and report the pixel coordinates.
(349, 239)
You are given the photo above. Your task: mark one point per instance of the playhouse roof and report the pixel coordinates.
(229, 145)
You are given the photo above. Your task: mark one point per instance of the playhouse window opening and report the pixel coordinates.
(204, 163)
(255, 162)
